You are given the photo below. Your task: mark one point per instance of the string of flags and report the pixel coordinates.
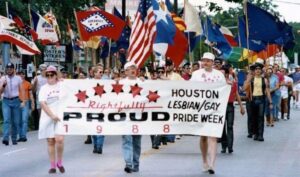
(156, 28)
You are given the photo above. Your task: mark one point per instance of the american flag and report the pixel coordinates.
(143, 33)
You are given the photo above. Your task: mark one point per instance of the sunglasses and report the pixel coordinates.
(160, 71)
(50, 75)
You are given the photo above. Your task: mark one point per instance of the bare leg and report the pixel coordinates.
(51, 149)
(59, 140)
(212, 151)
(203, 148)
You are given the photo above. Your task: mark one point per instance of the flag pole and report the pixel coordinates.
(84, 48)
(6, 45)
(247, 26)
(239, 34)
(210, 46)
(108, 59)
(30, 23)
(190, 56)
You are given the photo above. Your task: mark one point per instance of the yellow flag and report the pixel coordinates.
(93, 42)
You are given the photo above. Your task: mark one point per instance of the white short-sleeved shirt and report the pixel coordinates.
(50, 94)
(215, 76)
(12, 87)
(40, 82)
(284, 89)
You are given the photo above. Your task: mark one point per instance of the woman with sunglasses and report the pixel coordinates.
(49, 97)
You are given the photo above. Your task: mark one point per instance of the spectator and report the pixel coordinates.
(11, 84)
(28, 100)
(38, 82)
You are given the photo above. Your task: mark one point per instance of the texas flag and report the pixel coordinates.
(99, 23)
(46, 32)
(228, 36)
(170, 41)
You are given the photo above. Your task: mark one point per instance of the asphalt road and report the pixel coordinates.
(277, 156)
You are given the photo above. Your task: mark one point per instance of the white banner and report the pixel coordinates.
(102, 107)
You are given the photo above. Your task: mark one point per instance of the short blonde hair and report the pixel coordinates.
(96, 68)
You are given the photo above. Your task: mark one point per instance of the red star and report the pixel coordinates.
(81, 96)
(153, 96)
(99, 90)
(135, 90)
(117, 88)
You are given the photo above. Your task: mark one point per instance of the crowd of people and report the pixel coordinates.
(268, 90)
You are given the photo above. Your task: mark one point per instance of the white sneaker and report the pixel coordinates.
(285, 116)
(205, 168)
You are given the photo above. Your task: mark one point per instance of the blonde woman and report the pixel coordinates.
(49, 96)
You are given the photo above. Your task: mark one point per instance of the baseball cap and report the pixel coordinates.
(10, 65)
(259, 60)
(129, 64)
(51, 68)
(43, 66)
(208, 55)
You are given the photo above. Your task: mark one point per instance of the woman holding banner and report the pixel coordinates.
(49, 96)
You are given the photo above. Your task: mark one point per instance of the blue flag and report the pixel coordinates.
(169, 5)
(165, 26)
(213, 34)
(104, 48)
(193, 39)
(262, 25)
(123, 42)
(254, 45)
(287, 37)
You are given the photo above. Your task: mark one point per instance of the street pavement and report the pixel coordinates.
(277, 156)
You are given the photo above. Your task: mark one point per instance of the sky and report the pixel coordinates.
(287, 8)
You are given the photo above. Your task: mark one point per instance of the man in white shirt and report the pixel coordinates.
(11, 87)
(131, 144)
(207, 74)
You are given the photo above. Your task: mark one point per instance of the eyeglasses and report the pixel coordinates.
(160, 71)
(257, 68)
(49, 75)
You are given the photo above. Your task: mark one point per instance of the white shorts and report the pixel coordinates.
(297, 87)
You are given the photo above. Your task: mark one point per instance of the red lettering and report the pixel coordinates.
(135, 128)
(66, 128)
(99, 129)
(166, 128)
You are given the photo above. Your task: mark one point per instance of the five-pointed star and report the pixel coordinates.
(81, 96)
(135, 90)
(117, 88)
(99, 90)
(161, 15)
(153, 96)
